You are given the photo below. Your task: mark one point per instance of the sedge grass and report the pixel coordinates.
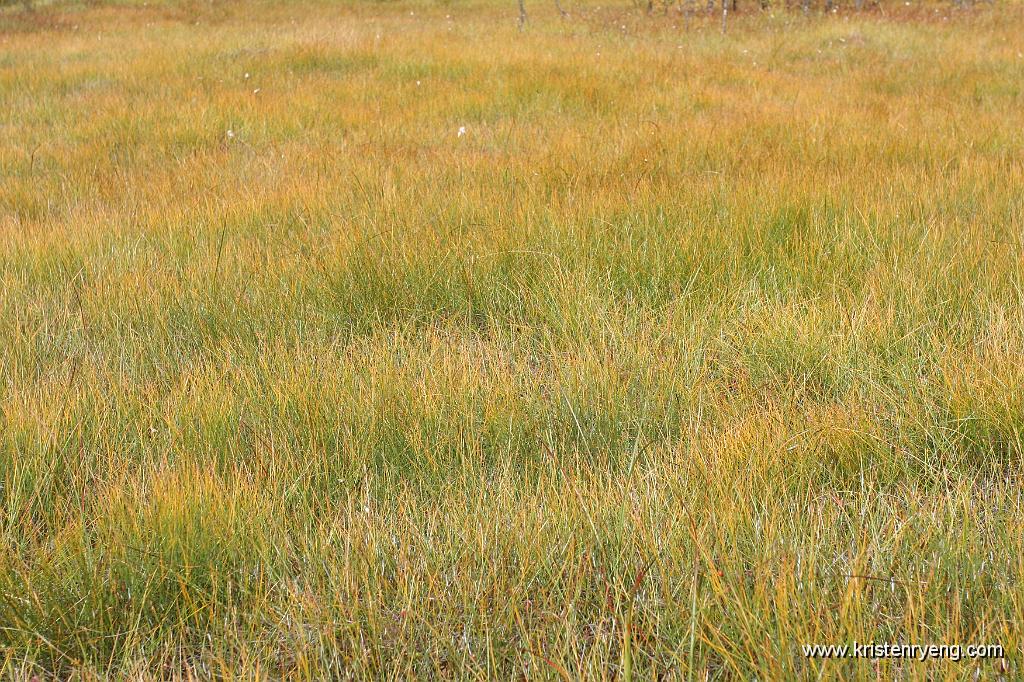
(690, 350)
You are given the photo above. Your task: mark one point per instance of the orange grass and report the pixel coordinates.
(690, 350)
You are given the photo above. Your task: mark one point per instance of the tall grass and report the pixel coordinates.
(690, 350)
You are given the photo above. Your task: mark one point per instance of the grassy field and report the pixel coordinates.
(388, 340)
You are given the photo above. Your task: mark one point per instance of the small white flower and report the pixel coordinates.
(247, 76)
(462, 130)
(256, 91)
(231, 134)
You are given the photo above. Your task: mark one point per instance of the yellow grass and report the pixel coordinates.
(689, 350)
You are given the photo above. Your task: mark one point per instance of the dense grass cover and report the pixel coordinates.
(387, 340)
